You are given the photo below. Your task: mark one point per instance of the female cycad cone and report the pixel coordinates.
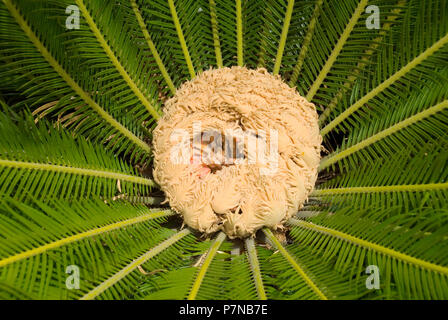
(237, 150)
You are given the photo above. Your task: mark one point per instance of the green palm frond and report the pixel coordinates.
(409, 248)
(39, 56)
(96, 237)
(252, 256)
(78, 107)
(296, 273)
(120, 81)
(209, 278)
(413, 53)
(176, 25)
(41, 161)
(227, 30)
(409, 179)
(148, 39)
(275, 24)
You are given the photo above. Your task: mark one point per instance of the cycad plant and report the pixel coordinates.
(81, 216)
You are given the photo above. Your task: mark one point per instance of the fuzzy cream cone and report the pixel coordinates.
(214, 190)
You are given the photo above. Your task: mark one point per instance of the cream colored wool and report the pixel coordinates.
(238, 198)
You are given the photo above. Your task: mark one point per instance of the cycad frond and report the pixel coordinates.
(39, 57)
(87, 234)
(252, 256)
(331, 40)
(152, 47)
(133, 78)
(399, 245)
(210, 278)
(115, 279)
(410, 179)
(177, 24)
(425, 49)
(44, 162)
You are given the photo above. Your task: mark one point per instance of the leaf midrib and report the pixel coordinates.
(370, 245)
(336, 50)
(339, 155)
(384, 85)
(205, 265)
(134, 264)
(294, 264)
(76, 170)
(121, 70)
(69, 80)
(375, 189)
(83, 235)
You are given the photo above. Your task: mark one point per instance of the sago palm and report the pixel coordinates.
(80, 101)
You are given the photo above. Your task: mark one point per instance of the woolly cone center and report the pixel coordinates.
(237, 150)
